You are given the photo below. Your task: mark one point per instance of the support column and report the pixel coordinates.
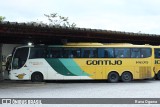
(1, 72)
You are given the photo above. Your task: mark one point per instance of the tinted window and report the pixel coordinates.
(76, 53)
(108, 53)
(157, 53)
(135, 53)
(54, 53)
(38, 53)
(122, 52)
(101, 53)
(140, 52)
(71, 53)
(89, 53)
(145, 52)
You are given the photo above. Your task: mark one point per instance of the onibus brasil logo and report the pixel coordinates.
(21, 101)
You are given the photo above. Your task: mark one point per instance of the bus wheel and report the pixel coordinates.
(126, 77)
(37, 77)
(113, 77)
(158, 76)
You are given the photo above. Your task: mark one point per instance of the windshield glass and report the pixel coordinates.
(20, 57)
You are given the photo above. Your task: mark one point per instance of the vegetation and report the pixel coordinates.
(59, 20)
(2, 18)
(53, 18)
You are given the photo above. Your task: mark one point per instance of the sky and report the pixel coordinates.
(138, 16)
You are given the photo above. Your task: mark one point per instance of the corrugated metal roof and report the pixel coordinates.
(14, 32)
(35, 25)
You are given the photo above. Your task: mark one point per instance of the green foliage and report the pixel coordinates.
(2, 18)
(58, 20)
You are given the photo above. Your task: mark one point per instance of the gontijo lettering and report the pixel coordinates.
(103, 62)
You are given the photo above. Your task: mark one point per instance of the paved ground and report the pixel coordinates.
(81, 89)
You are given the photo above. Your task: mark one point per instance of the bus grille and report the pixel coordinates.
(145, 72)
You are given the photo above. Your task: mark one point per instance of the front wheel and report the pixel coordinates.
(37, 77)
(113, 77)
(158, 76)
(126, 77)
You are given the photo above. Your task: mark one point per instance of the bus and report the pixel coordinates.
(82, 61)
(157, 62)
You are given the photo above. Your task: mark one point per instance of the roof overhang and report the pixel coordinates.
(22, 33)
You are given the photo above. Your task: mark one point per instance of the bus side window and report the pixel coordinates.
(71, 53)
(89, 53)
(157, 53)
(122, 52)
(86, 54)
(38, 53)
(57, 53)
(66, 53)
(94, 53)
(119, 53)
(54, 52)
(135, 53)
(108, 53)
(76, 53)
(101, 53)
(146, 52)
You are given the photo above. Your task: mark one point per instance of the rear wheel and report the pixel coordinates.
(126, 77)
(113, 77)
(37, 77)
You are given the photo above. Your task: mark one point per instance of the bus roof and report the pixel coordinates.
(84, 44)
(90, 45)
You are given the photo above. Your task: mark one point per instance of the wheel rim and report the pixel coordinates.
(37, 77)
(113, 77)
(126, 77)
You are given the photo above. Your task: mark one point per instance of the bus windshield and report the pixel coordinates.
(20, 57)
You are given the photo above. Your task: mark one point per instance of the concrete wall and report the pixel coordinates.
(7, 49)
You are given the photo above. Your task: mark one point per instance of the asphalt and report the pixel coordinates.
(81, 89)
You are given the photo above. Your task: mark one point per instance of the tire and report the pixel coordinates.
(113, 77)
(158, 76)
(126, 77)
(37, 77)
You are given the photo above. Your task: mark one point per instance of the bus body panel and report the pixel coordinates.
(84, 71)
(85, 68)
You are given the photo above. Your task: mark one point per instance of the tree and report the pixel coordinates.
(2, 18)
(58, 20)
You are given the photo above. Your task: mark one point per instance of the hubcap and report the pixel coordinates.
(126, 76)
(113, 77)
(37, 77)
